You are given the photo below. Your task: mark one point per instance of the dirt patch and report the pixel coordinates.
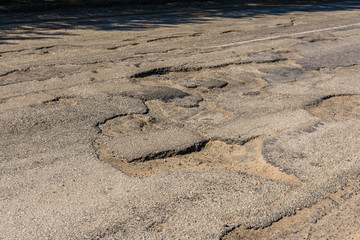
(216, 155)
(337, 107)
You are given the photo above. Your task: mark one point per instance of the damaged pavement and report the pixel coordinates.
(209, 124)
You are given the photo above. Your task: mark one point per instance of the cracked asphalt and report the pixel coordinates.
(233, 122)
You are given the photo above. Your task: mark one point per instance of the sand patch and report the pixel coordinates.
(337, 107)
(216, 155)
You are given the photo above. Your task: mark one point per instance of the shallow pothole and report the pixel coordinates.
(216, 155)
(130, 124)
(297, 225)
(203, 80)
(337, 107)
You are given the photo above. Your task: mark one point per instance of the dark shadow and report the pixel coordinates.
(35, 22)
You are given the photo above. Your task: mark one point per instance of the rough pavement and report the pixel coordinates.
(224, 123)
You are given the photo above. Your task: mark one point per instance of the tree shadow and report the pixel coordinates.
(24, 25)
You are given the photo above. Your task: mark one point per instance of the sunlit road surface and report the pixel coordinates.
(212, 123)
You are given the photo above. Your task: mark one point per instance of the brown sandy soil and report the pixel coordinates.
(216, 155)
(337, 107)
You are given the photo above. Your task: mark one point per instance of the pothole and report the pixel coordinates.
(284, 74)
(129, 124)
(215, 155)
(336, 107)
(301, 223)
(202, 80)
(285, 228)
(64, 101)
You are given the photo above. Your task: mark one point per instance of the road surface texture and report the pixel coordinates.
(212, 123)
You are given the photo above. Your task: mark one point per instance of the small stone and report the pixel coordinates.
(151, 119)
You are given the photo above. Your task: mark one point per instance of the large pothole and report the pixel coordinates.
(215, 155)
(204, 80)
(337, 107)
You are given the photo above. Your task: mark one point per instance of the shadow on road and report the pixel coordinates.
(16, 24)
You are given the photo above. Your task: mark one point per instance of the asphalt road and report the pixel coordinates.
(233, 122)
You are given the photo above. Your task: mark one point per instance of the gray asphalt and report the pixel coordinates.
(244, 124)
